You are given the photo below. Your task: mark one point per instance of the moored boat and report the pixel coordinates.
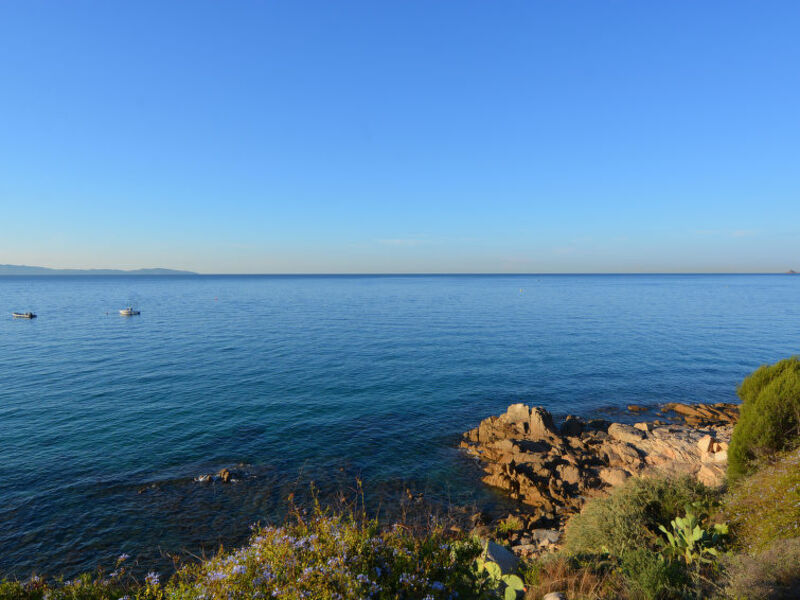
(129, 312)
(25, 315)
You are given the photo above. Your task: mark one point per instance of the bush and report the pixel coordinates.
(629, 518)
(336, 557)
(652, 578)
(771, 575)
(769, 418)
(765, 506)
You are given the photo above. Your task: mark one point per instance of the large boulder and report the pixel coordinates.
(541, 424)
(613, 476)
(518, 413)
(625, 433)
(505, 559)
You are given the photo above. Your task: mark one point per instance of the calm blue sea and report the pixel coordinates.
(105, 420)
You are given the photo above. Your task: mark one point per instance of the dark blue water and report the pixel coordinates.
(105, 420)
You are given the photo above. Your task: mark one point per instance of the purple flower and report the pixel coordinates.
(123, 557)
(239, 570)
(151, 578)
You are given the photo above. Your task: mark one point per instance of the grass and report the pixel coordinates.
(590, 580)
(773, 574)
(765, 506)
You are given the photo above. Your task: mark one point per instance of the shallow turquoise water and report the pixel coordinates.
(325, 379)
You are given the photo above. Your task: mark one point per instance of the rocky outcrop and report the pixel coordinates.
(553, 470)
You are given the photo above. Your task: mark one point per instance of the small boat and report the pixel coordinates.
(129, 312)
(27, 315)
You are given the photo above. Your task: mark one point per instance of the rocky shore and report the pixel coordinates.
(553, 469)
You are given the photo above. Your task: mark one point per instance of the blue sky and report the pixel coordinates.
(274, 137)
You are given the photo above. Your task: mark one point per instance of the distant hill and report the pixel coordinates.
(26, 270)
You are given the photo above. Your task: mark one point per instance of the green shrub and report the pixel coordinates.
(630, 516)
(770, 575)
(765, 506)
(769, 418)
(650, 577)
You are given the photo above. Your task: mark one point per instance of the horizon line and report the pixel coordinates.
(184, 273)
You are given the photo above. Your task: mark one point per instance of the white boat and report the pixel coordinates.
(129, 312)
(27, 315)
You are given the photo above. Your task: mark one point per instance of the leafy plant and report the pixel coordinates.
(691, 542)
(512, 523)
(491, 572)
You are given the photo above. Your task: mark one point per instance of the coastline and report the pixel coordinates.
(553, 470)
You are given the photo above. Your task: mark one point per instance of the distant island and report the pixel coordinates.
(26, 270)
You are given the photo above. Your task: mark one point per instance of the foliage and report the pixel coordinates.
(690, 541)
(101, 586)
(629, 518)
(769, 418)
(650, 577)
(511, 523)
(490, 572)
(765, 506)
(770, 575)
(337, 557)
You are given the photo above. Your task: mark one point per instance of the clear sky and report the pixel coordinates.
(404, 136)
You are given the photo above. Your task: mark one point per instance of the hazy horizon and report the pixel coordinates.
(456, 137)
(399, 273)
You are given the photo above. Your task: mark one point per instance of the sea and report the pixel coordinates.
(323, 385)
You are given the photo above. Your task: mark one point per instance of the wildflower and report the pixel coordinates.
(151, 578)
(239, 570)
(123, 557)
(437, 585)
(216, 576)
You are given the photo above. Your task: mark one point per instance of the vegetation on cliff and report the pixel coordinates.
(769, 419)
